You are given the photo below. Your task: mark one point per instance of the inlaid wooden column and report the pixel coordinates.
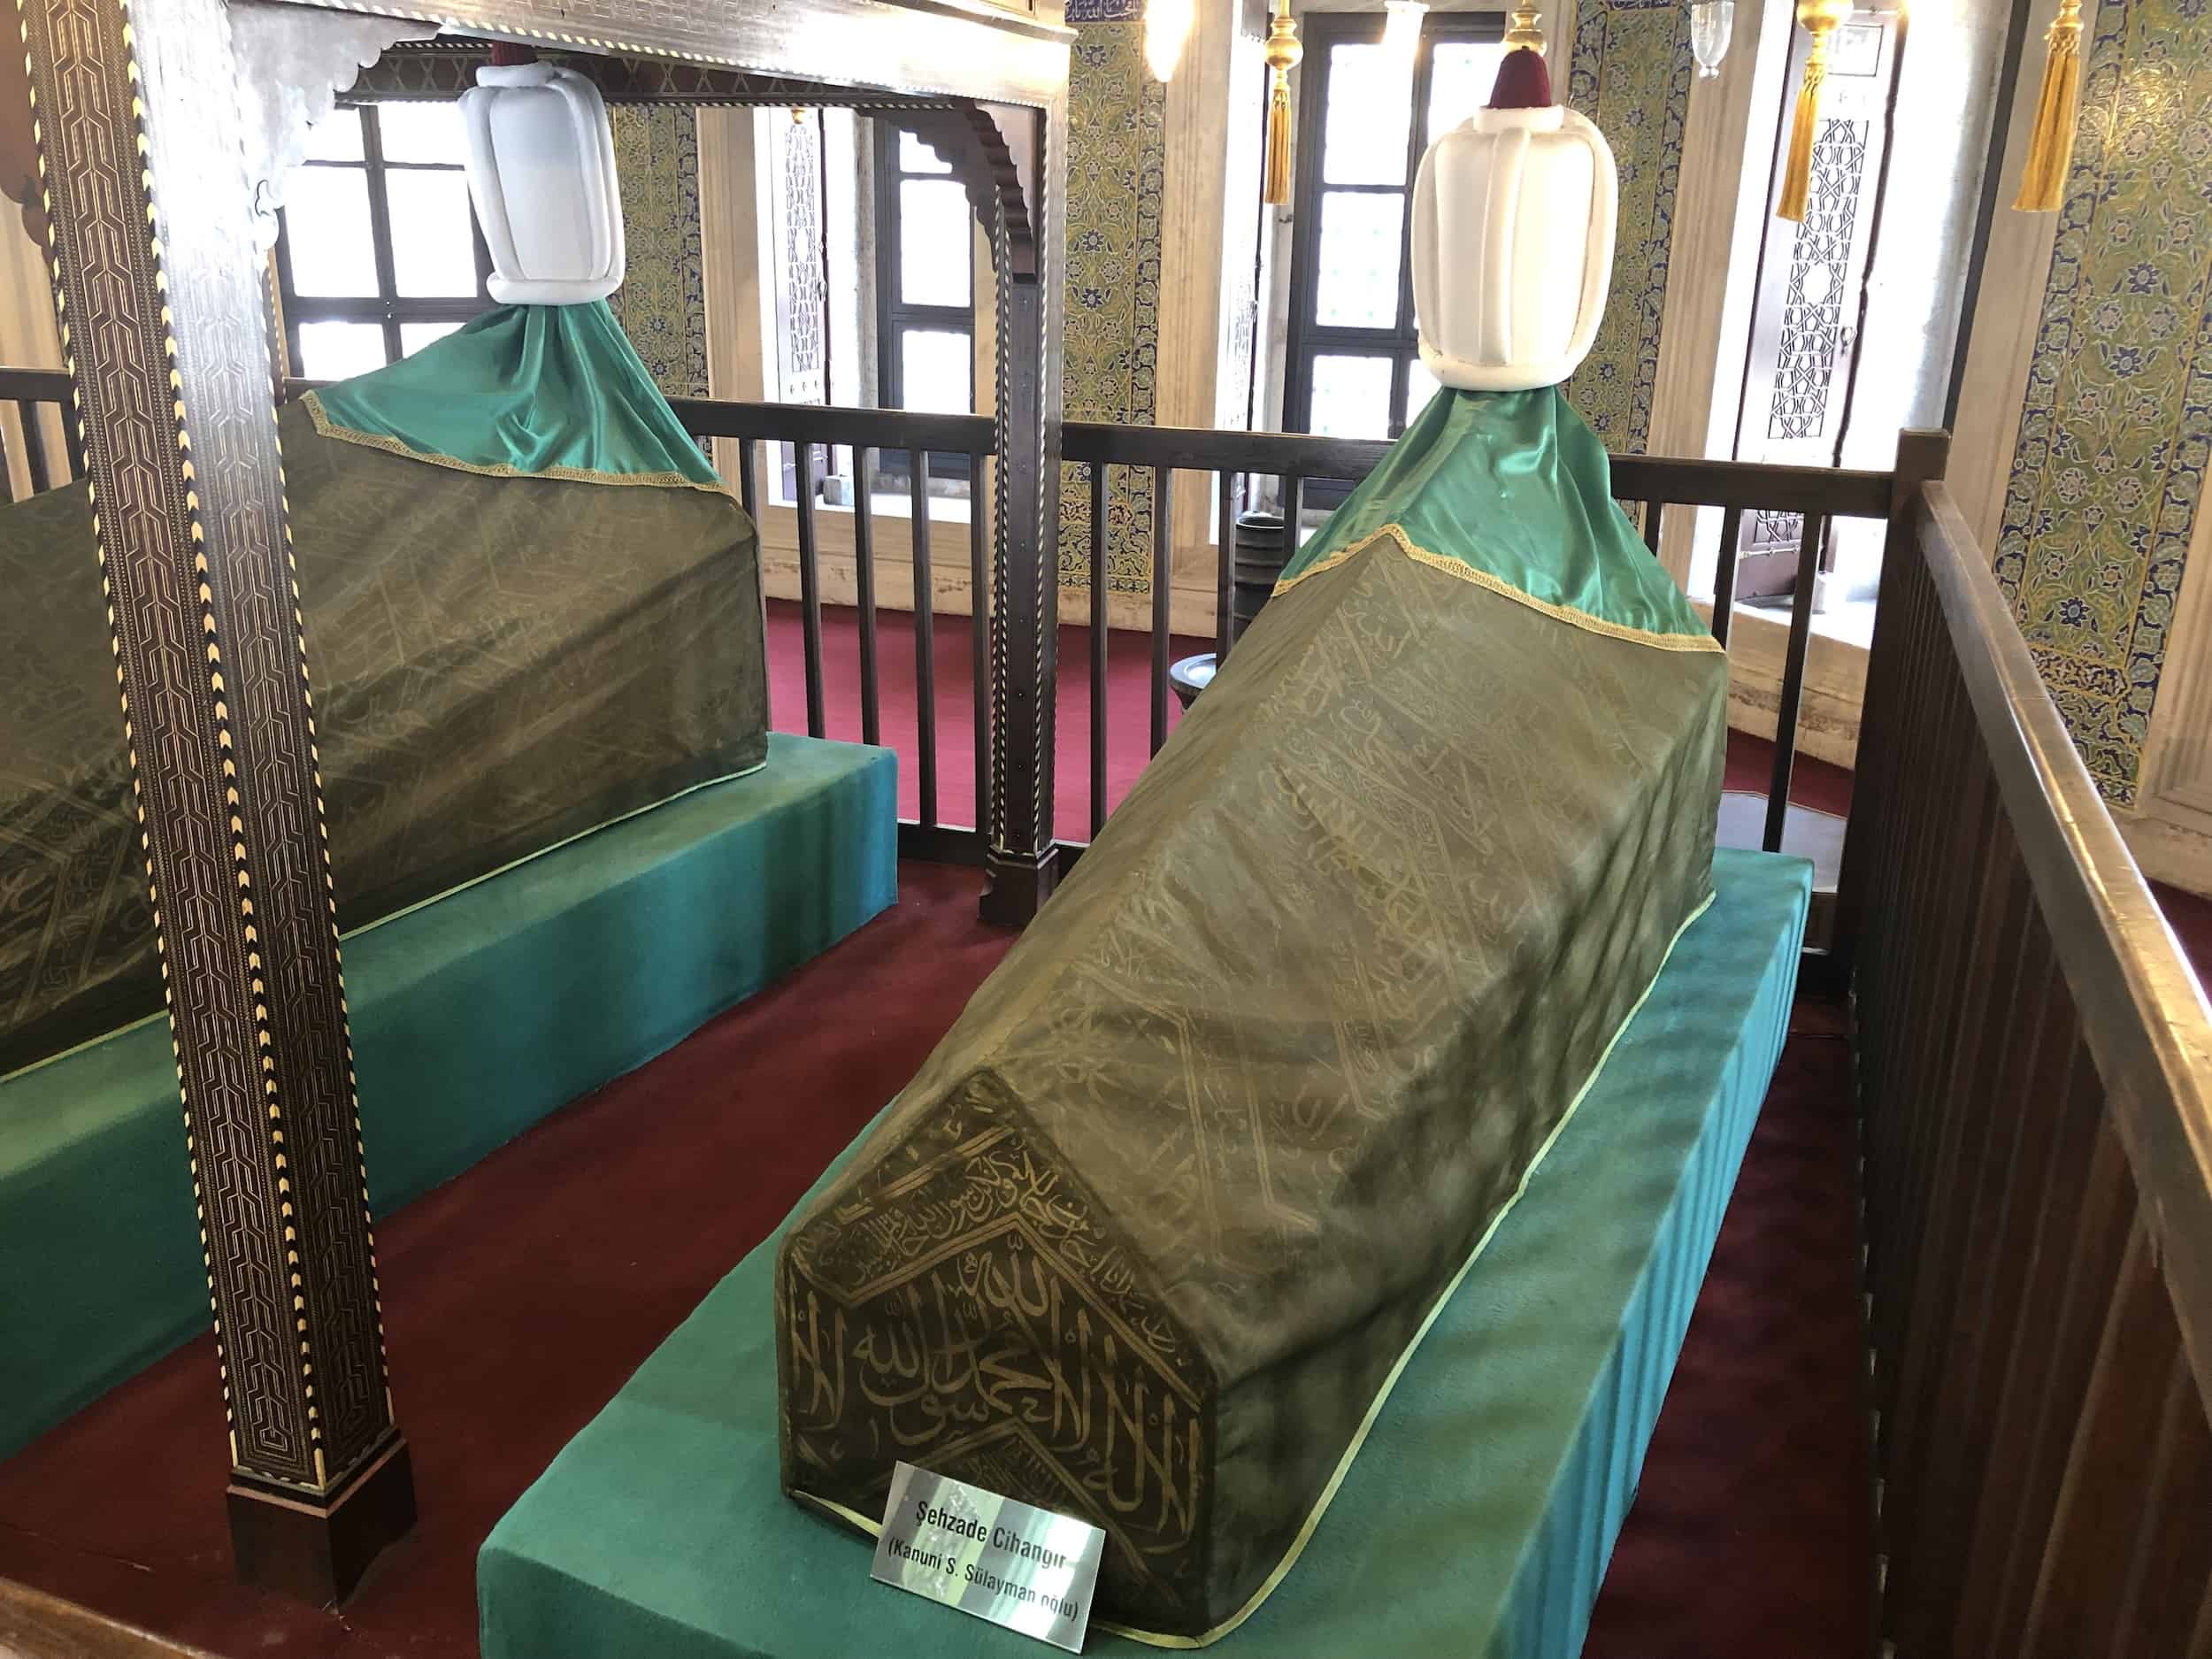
(165, 330)
(1025, 579)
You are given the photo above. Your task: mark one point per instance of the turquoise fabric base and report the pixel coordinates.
(474, 1017)
(1479, 1517)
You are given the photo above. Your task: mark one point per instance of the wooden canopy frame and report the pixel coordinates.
(166, 330)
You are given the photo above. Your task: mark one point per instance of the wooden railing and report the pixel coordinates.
(29, 391)
(1227, 462)
(2035, 1073)
(1821, 494)
(868, 432)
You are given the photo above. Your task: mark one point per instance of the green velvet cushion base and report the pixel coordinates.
(474, 1017)
(1478, 1519)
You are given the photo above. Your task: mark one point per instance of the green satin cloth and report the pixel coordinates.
(1515, 486)
(546, 391)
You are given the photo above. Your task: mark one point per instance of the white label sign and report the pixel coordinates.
(1014, 1564)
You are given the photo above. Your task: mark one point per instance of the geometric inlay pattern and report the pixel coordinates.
(1813, 321)
(166, 331)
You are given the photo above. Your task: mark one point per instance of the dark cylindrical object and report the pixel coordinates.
(1262, 551)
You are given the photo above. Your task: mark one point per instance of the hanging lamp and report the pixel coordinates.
(2051, 141)
(1822, 19)
(1282, 53)
(1711, 23)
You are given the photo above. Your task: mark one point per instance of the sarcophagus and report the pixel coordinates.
(1147, 1238)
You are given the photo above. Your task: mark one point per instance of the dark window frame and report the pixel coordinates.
(894, 317)
(1305, 339)
(387, 306)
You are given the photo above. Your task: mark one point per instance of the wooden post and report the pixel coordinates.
(1025, 582)
(165, 330)
(1921, 460)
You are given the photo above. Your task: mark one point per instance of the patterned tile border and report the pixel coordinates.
(1117, 162)
(662, 303)
(2109, 467)
(1630, 73)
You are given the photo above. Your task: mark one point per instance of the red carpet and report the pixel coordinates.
(521, 1296)
(1128, 706)
(518, 1300)
(1750, 1533)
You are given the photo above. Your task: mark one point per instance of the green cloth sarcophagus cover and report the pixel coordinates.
(504, 653)
(1147, 1238)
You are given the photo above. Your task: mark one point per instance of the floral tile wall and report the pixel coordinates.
(1630, 73)
(2109, 470)
(1117, 149)
(661, 302)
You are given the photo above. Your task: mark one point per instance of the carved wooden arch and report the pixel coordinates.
(970, 138)
(1000, 153)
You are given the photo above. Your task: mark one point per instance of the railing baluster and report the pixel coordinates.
(979, 639)
(72, 440)
(1725, 572)
(1098, 646)
(1794, 678)
(1163, 585)
(748, 488)
(811, 593)
(864, 585)
(1653, 510)
(33, 447)
(1225, 572)
(924, 638)
(1294, 510)
(7, 471)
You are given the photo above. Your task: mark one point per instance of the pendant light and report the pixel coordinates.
(1711, 24)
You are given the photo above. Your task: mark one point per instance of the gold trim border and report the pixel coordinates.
(1467, 573)
(327, 427)
(873, 1528)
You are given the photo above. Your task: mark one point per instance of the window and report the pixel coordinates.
(924, 279)
(1353, 369)
(378, 252)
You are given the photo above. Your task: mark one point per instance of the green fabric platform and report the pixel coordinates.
(1479, 1517)
(474, 1016)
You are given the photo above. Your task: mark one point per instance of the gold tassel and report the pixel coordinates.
(2051, 145)
(1276, 191)
(1283, 52)
(1822, 19)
